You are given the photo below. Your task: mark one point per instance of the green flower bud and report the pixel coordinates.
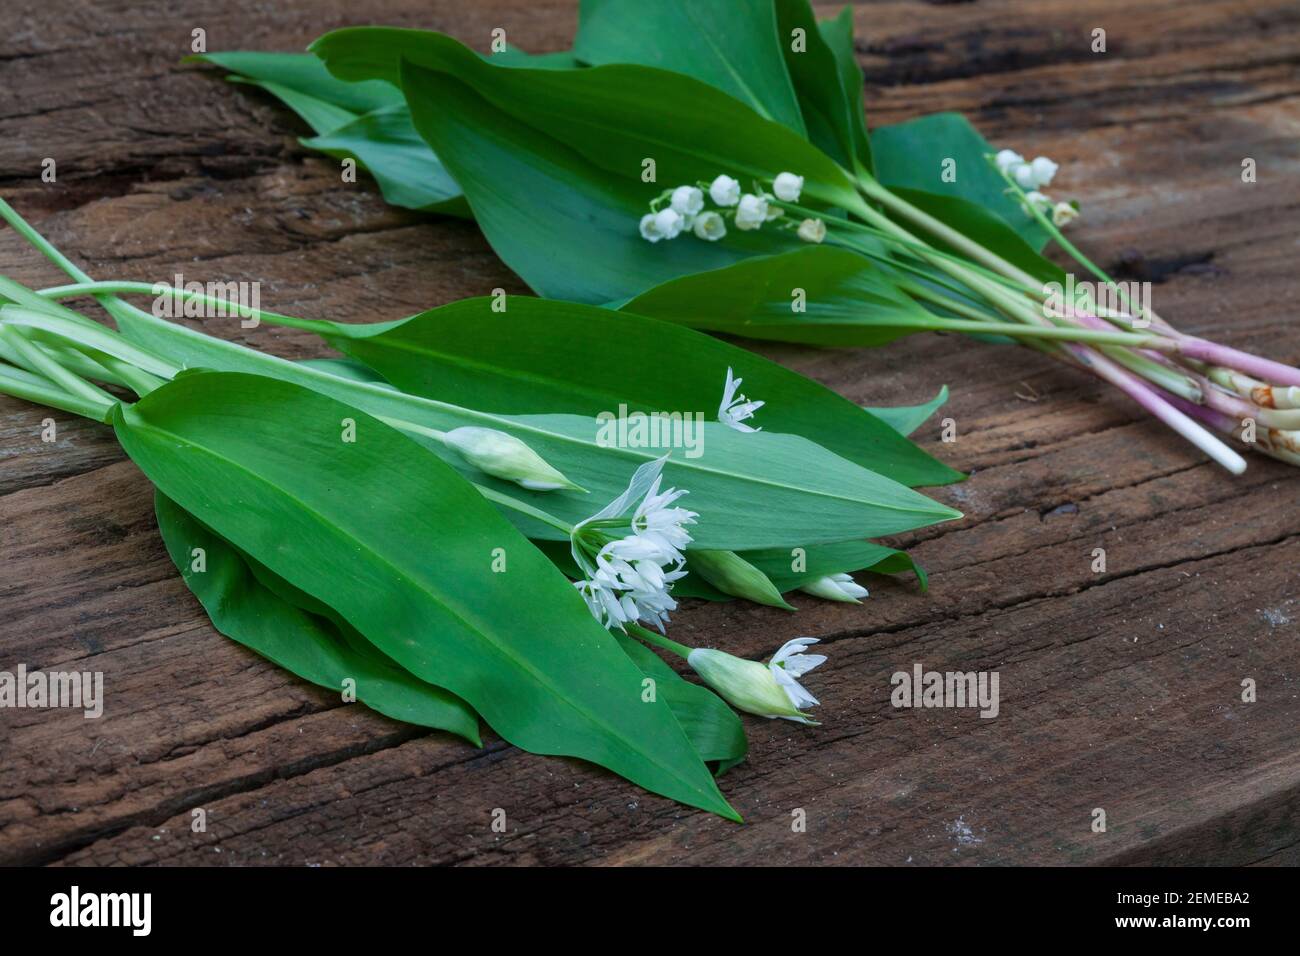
(767, 690)
(505, 456)
(731, 574)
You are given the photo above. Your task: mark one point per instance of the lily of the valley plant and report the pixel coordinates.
(374, 521)
(705, 183)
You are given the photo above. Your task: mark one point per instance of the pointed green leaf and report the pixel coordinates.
(386, 145)
(469, 353)
(752, 490)
(846, 300)
(552, 161)
(401, 547)
(735, 49)
(314, 648)
(911, 155)
(906, 419)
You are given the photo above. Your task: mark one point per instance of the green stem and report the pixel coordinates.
(36, 360)
(95, 337)
(73, 290)
(658, 640)
(491, 494)
(34, 388)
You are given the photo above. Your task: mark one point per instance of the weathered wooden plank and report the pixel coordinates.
(1120, 689)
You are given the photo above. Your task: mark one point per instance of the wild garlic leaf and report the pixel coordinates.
(312, 647)
(385, 144)
(906, 419)
(831, 108)
(735, 48)
(714, 728)
(402, 548)
(468, 353)
(552, 161)
(837, 33)
(306, 74)
(758, 490)
(911, 155)
(846, 301)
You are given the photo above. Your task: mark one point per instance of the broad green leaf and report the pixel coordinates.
(906, 419)
(847, 301)
(713, 727)
(321, 115)
(401, 547)
(911, 155)
(314, 648)
(832, 111)
(752, 490)
(468, 353)
(734, 48)
(304, 73)
(838, 36)
(386, 145)
(551, 161)
(830, 559)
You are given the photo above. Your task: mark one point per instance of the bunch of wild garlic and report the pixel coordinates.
(381, 525)
(785, 218)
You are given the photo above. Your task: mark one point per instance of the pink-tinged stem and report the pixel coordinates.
(1206, 416)
(1144, 395)
(1264, 369)
(1232, 404)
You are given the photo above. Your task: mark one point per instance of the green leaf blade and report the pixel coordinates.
(391, 539)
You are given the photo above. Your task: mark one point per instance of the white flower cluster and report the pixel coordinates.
(747, 211)
(629, 577)
(1031, 177)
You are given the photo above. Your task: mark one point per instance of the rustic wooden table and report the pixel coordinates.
(1120, 690)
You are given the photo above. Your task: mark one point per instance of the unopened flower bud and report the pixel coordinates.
(787, 187)
(836, 587)
(506, 457)
(733, 575)
(768, 690)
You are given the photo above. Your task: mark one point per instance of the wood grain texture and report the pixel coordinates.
(1119, 690)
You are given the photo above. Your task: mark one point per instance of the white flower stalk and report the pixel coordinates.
(768, 690)
(836, 587)
(504, 456)
(751, 212)
(688, 201)
(631, 563)
(787, 187)
(724, 191)
(812, 230)
(735, 409)
(709, 226)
